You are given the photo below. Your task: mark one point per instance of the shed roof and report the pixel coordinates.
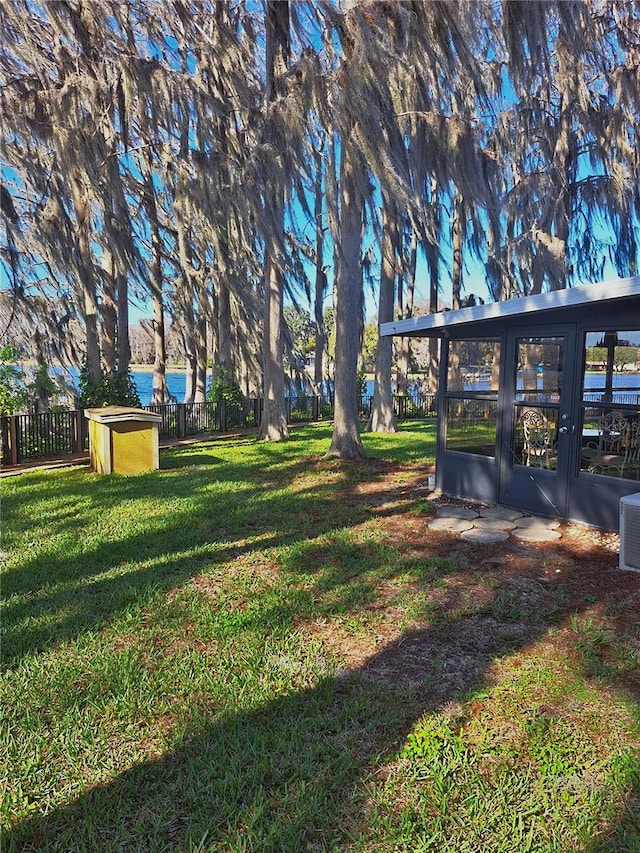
(555, 305)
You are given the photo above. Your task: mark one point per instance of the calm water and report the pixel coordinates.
(176, 383)
(627, 381)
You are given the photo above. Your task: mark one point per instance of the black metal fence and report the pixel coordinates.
(50, 435)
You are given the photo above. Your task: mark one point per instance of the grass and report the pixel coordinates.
(259, 649)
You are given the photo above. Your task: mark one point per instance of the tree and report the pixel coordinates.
(160, 152)
(382, 417)
(320, 283)
(273, 425)
(347, 299)
(405, 310)
(299, 344)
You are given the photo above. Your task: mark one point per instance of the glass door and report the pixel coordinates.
(539, 434)
(608, 452)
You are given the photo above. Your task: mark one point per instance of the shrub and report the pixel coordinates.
(13, 395)
(224, 387)
(115, 389)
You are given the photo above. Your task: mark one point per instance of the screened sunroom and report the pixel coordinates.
(539, 400)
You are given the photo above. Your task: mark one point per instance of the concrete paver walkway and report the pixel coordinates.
(489, 524)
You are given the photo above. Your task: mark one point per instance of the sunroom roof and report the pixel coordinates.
(551, 304)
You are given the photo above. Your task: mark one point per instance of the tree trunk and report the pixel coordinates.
(116, 209)
(123, 343)
(188, 342)
(457, 239)
(274, 416)
(109, 312)
(159, 392)
(214, 335)
(495, 367)
(201, 354)
(85, 263)
(320, 281)
(382, 418)
(404, 347)
(190, 373)
(346, 442)
(42, 396)
(224, 360)
(433, 256)
(553, 233)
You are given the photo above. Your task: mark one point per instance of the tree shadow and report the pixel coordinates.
(289, 773)
(54, 595)
(623, 833)
(229, 510)
(49, 598)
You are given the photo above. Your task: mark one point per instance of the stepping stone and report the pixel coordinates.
(449, 525)
(535, 521)
(483, 534)
(494, 523)
(536, 534)
(500, 512)
(456, 512)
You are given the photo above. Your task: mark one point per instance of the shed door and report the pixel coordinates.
(538, 432)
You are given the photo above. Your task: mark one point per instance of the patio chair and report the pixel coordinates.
(615, 446)
(632, 465)
(540, 449)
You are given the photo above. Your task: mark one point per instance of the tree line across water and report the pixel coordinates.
(219, 161)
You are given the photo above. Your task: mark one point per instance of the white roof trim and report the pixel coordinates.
(603, 292)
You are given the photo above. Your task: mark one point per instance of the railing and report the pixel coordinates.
(618, 395)
(50, 435)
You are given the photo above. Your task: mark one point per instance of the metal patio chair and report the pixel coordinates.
(615, 445)
(540, 448)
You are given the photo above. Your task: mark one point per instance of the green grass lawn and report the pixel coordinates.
(260, 649)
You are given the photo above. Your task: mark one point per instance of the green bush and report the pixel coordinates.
(224, 387)
(13, 395)
(115, 389)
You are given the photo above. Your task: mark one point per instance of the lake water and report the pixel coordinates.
(592, 381)
(176, 383)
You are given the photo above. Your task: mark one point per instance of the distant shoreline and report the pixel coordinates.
(148, 368)
(133, 368)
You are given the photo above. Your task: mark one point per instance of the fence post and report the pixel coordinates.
(75, 431)
(14, 455)
(80, 430)
(221, 415)
(181, 420)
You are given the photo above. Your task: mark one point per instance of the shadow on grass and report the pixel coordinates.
(218, 513)
(623, 833)
(291, 774)
(50, 599)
